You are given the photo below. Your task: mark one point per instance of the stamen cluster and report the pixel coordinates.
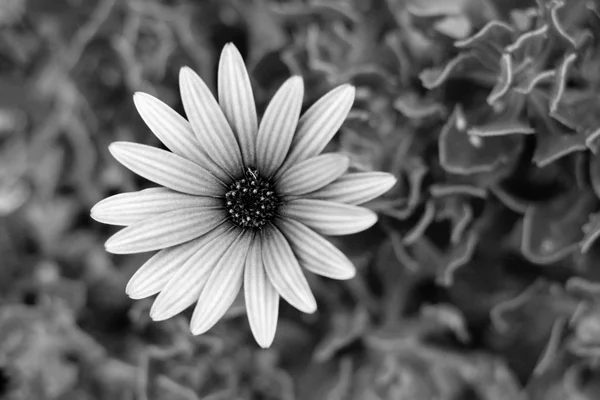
(251, 201)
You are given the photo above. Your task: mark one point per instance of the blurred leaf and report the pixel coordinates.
(554, 229)
(461, 153)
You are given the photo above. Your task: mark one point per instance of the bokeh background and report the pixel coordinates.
(473, 285)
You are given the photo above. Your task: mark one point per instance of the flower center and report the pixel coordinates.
(251, 201)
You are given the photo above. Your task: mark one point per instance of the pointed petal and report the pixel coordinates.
(237, 101)
(262, 300)
(152, 277)
(184, 288)
(166, 169)
(278, 126)
(356, 188)
(174, 131)
(318, 125)
(223, 285)
(284, 271)
(165, 230)
(129, 208)
(329, 218)
(209, 123)
(315, 253)
(312, 174)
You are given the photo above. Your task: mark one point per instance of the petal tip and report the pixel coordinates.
(265, 342)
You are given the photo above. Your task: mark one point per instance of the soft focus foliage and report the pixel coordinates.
(480, 281)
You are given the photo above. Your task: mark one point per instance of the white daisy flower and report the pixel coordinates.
(241, 204)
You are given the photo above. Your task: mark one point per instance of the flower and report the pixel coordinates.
(241, 203)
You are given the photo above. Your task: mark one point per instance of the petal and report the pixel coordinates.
(174, 131)
(312, 174)
(278, 126)
(329, 218)
(318, 125)
(152, 277)
(237, 101)
(284, 271)
(166, 169)
(184, 288)
(356, 188)
(262, 300)
(223, 285)
(165, 230)
(129, 208)
(209, 122)
(315, 253)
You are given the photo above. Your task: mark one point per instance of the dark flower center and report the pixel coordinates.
(251, 201)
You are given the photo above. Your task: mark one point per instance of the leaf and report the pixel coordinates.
(553, 229)
(465, 154)
(554, 140)
(416, 107)
(578, 109)
(345, 328)
(594, 172)
(492, 38)
(591, 232)
(503, 118)
(458, 257)
(463, 66)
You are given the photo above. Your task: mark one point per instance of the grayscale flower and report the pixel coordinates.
(240, 204)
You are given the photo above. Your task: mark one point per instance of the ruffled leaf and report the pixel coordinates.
(553, 229)
(464, 154)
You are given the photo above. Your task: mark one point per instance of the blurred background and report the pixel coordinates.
(472, 285)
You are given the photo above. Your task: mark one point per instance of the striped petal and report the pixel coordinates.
(166, 169)
(129, 208)
(329, 218)
(262, 300)
(209, 122)
(165, 230)
(152, 277)
(318, 125)
(174, 131)
(312, 174)
(278, 126)
(223, 285)
(314, 252)
(184, 288)
(237, 101)
(356, 188)
(284, 271)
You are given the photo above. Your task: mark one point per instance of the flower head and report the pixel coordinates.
(241, 204)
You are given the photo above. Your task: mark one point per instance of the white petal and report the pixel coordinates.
(319, 123)
(262, 300)
(315, 253)
(329, 218)
(284, 271)
(356, 188)
(209, 123)
(166, 169)
(223, 285)
(312, 174)
(129, 208)
(153, 276)
(174, 131)
(278, 126)
(184, 288)
(165, 230)
(237, 101)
